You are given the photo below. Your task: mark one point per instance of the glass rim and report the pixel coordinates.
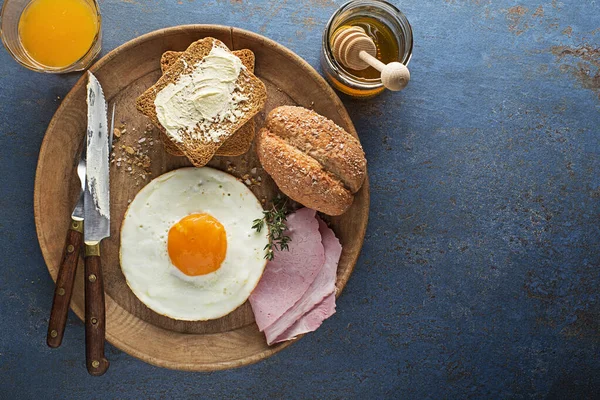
(392, 11)
(38, 67)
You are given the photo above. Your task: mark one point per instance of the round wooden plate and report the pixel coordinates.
(125, 73)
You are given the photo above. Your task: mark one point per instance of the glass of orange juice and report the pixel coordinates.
(53, 36)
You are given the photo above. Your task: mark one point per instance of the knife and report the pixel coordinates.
(96, 211)
(66, 272)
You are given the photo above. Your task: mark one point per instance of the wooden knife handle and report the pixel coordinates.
(64, 284)
(95, 321)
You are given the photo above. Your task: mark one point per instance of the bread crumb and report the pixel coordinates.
(134, 155)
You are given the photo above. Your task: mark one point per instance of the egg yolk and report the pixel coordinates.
(197, 244)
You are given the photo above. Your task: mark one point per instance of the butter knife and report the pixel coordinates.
(96, 208)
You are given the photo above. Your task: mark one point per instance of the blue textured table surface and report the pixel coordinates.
(480, 272)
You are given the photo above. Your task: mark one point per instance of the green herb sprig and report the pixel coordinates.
(274, 218)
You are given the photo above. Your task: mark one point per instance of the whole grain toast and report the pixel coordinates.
(241, 141)
(200, 145)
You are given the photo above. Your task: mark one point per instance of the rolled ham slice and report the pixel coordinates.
(318, 301)
(289, 275)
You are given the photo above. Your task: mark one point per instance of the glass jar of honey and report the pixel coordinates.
(53, 36)
(391, 33)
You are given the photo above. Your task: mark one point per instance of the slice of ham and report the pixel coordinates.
(311, 320)
(290, 274)
(318, 302)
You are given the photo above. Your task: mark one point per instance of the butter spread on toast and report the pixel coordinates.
(205, 96)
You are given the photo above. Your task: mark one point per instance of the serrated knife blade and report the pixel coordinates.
(96, 195)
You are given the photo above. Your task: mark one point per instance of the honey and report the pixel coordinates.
(57, 33)
(384, 39)
(386, 26)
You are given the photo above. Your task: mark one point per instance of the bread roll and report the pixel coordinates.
(336, 150)
(311, 159)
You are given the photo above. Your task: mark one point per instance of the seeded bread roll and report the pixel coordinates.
(311, 159)
(335, 149)
(300, 176)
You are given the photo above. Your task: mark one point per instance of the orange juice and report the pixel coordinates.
(57, 33)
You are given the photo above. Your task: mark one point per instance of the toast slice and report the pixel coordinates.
(239, 143)
(200, 142)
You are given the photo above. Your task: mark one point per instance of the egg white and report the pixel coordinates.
(144, 256)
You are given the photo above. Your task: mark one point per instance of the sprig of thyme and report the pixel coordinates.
(274, 218)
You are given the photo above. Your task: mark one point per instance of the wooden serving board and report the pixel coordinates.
(124, 73)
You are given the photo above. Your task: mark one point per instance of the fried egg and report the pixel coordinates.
(188, 250)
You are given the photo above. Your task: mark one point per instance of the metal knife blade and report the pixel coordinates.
(96, 195)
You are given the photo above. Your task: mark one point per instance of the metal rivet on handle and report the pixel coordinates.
(53, 333)
(61, 291)
(70, 248)
(94, 321)
(92, 278)
(95, 364)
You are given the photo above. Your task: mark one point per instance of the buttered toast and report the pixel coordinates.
(241, 141)
(203, 99)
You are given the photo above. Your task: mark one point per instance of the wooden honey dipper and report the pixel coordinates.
(356, 50)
